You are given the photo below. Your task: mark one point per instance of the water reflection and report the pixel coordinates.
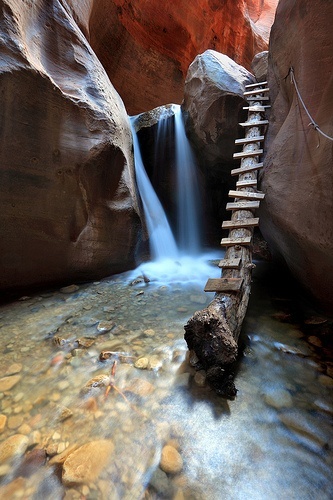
(104, 434)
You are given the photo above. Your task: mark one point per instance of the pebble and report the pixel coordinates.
(150, 332)
(200, 378)
(86, 463)
(13, 446)
(7, 383)
(3, 420)
(171, 461)
(160, 482)
(141, 363)
(278, 398)
(140, 387)
(69, 289)
(14, 421)
(63, 385)
(325, 380)
(13, 369)
(24, 429)
(105, 326)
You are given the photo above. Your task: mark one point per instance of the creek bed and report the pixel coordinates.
(152, 429)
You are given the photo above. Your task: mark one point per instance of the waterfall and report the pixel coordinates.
(162, 242)
(188, 192)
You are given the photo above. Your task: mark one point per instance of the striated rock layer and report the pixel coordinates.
(146, 47)
(296, 216)
(67, 196)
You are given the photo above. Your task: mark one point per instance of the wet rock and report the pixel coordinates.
(86, 463)
(7, 383)
(200, 378)
(278, 398)
(14, 368)
(14, 421)
(105, 326)
(160, 482)
(141, 363)
(95, 383)
(314, 341)
(305, 425)
(171, 461)
(69, 289)
(14, 489)
(325, 380)
(140, 387)
(12, 447)
(3, 420)
(32, 462)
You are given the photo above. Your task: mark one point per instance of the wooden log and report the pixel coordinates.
(248, 140)
(230, 263)
(256, 98)
(230, 242)
(251, 85)
(244, 170)
(249, 195)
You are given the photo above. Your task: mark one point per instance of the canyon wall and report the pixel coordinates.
(147, 47)
(68, 208)
(296, 215)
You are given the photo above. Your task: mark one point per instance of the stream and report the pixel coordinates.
(142, 424)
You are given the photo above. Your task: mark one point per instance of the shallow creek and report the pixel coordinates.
(157, 431)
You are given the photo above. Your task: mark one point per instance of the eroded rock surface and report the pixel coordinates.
(146, 47)
(68, 203)
(296, 215)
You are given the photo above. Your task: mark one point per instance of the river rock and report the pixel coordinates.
(12, 447)
(7, 383)
(86, 463)
(278, 398)
(171, 461)
(3, 420)
(14, 368)
(140, 387)
(160, 482)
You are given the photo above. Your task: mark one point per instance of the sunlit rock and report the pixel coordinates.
(68, 202)
(86, 463)
(296, 215)
(12, 447)
(146, 47)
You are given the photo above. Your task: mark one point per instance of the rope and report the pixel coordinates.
(312, 122)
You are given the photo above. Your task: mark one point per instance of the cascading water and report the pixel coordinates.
(162, 242)
(188, 192)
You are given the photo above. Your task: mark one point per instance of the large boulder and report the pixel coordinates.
(146, 47)
(68, 204)
(296, 215)
(213, 107)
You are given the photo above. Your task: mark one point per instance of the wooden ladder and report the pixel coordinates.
(238, 256)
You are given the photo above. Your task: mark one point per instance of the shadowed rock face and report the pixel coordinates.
(67, 203)
(147, 47)
(296, 216)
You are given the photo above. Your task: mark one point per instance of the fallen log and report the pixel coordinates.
(212, 334)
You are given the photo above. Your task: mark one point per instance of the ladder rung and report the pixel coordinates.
(256, 91)
(263, 106)
(256, 109)
(247, 183)
(247, 140)
(251, 85)
(247, 154)
(254, 123)
(230, 263)
(257, 98)
(235, 224)
(243, 170)
(223, 284)
(231, 242)
(246, 194)
(243, 205)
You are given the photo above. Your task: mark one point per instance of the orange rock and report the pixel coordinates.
(171, 462)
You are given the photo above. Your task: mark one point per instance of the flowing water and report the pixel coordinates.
(161, 239)
(273, 441)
